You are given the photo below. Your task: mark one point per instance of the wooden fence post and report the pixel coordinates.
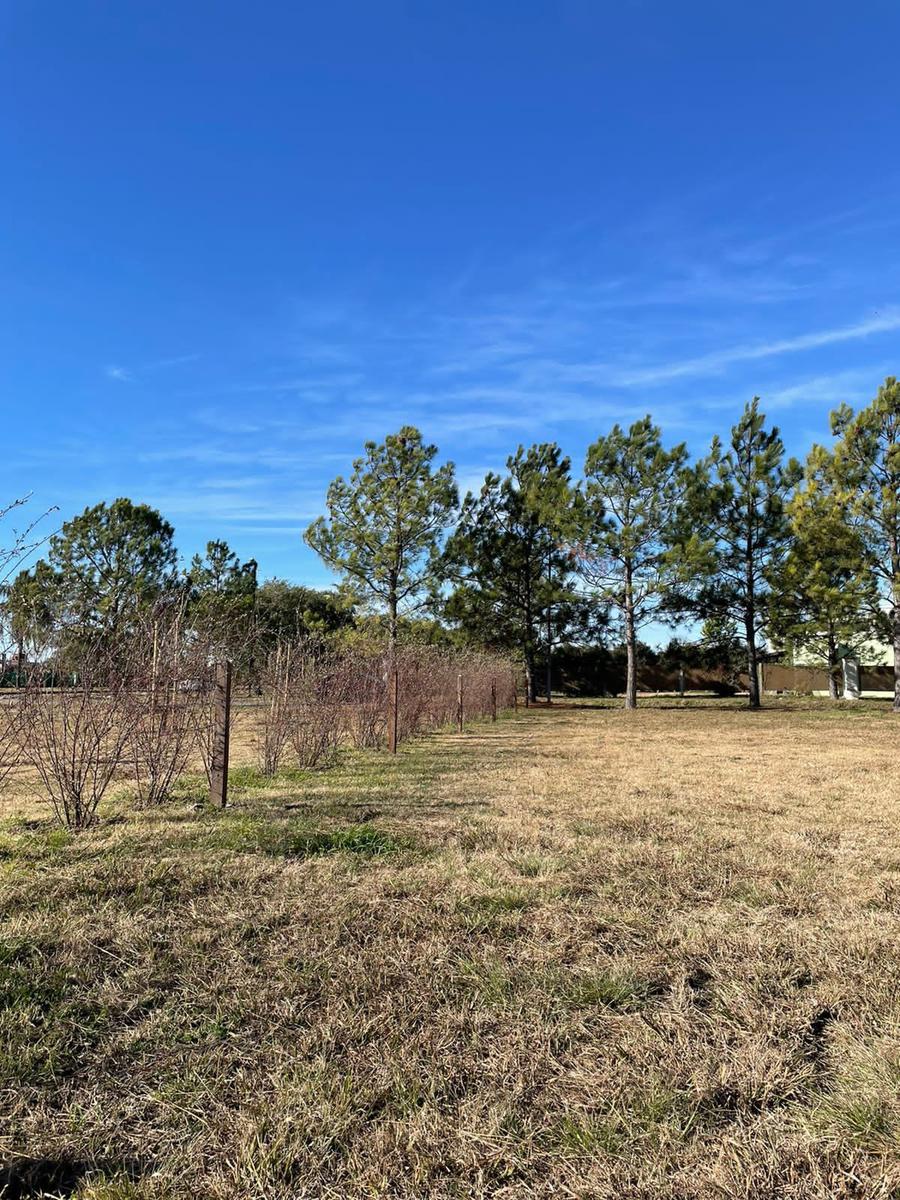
(393, 708)
(459, 704)
(493, 700)
(218, 769)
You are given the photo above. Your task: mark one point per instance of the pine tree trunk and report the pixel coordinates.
(896, 627)
(752, 659)
(549, 681)
(529, 679)
(835, 671)
(750, 626)
(630, 673)
(393, 610)
(630, 644)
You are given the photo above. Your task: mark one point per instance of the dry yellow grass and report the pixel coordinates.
(581, 953)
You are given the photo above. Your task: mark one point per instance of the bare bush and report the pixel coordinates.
(363, 683)
(163, 703)
(10, 735)
(205, 714)
(77, 729)
(305, 706)
(319, 707)
(278, 713)
(319, 697)
(429, 680)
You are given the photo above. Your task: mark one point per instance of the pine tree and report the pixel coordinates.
(633, 494)
(737, 508)
(509, 561)
(867, 466)
(222, 598)
(824, 598)
(384, 524)
(106, 567)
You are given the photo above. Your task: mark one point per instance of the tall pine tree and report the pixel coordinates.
(824, 598)
(509, 564)
(384, 523)
(737, 507)
(633, 494)
(867, 463)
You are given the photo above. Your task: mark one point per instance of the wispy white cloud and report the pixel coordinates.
(119, 374)
(708, 364)
(669, 313)
(129, 374)
(219, 505)
(827, 390)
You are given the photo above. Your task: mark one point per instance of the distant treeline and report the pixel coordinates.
(755, 549)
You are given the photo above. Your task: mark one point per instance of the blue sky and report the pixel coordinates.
(238, 240)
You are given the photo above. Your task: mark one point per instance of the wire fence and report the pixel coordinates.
(145, 710)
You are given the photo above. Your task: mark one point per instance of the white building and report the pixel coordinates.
(867, 672)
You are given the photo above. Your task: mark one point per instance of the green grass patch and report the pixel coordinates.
(45, 1026)
(586, 1136)
(497, 903)
(33, 840)
(533, 866)
(296, 840)
(619, 990)
(634, 1125)
(253, 779)
(867, 1122)
(26, 981)
(489, 982)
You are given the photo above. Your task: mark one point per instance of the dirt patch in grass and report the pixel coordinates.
(581, 953)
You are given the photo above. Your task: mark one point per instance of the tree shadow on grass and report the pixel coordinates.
(33, 1177)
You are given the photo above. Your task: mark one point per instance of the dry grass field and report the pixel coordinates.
(580, 953)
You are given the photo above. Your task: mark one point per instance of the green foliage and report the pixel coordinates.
(720, 646)
(508, 561)
(824, 598)
(371, 629)
(867, 468)
(31, 605)
(221, 601)
(286, 611)
(219, 572)
(103, 568)
(633, 495)
(605, 989)
(737, 520)
(384, 524)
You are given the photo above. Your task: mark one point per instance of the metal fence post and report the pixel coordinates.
(493, 700)
(218, 770)
(459, 703)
